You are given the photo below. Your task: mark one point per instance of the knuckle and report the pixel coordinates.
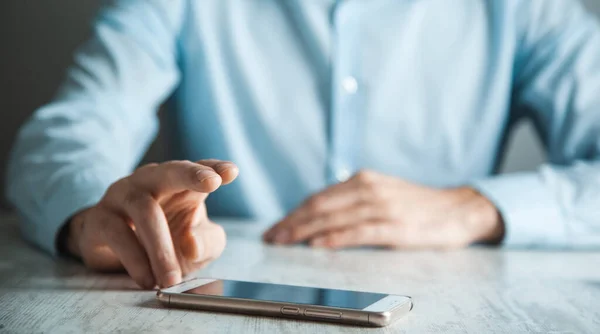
(171, 170)
(367, 182)
(315, 204)
(170, 167)
(143, 172)
(365, 176)
(142, 205)
(170, 163)
(170, 174)
(161, 256)
(145, 167)
(164, 261)
(175, 170)
(117, 187)
(176, 163)
(137, 198)
(104, 201)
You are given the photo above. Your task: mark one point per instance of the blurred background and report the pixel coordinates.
(37, 39)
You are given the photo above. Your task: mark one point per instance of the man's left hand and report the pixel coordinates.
(372, 209)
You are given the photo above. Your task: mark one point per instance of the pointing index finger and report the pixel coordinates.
(176, 176)
(226, 169)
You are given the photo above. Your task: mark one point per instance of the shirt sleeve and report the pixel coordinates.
(102, 120)
(557, 85)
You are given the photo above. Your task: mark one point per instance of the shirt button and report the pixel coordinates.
(350, 85)
(343, 174)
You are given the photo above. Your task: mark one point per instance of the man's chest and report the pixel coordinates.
(359, 82)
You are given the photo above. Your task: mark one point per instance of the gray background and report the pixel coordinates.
(37, 39)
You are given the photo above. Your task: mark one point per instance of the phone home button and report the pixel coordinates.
(322, 314)
(290, 310)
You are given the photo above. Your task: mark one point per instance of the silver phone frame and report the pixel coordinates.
(379, 314)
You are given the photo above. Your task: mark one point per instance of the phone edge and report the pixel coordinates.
(274, 309)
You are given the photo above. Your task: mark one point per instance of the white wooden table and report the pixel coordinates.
(476, 290)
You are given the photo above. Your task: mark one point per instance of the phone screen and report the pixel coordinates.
(288, 294)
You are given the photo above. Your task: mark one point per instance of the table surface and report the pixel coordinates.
(477, 290)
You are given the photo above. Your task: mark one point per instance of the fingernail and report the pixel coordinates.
(171, 278)
(204, 175)
(281, 237)
(229, 169)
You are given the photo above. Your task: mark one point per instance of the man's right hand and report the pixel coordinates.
(153, 223)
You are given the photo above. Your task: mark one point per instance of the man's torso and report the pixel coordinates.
(301, 94)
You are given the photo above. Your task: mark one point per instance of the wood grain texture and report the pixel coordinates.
(477, 290)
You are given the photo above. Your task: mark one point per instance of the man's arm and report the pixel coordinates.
(101, 122)
(558, 86)
(557, 75)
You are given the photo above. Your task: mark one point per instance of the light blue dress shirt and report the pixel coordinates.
(304, 93)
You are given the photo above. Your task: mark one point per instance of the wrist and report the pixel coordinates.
(483, 219)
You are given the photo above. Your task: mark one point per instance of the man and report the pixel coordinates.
(382, 122)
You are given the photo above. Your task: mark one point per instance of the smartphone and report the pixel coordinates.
(287, 301)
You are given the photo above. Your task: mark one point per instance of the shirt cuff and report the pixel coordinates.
(67, 197)
(529, 209)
